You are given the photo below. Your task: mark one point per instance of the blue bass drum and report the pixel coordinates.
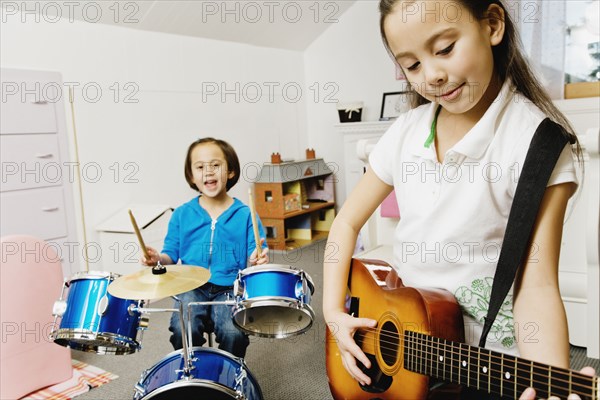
(94, 321)
(273, 301)
(215, 375)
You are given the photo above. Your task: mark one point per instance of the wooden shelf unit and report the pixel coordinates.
(295, 201)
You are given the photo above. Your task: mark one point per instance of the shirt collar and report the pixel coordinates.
(476, 141)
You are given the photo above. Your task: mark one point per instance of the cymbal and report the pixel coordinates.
(145, 284)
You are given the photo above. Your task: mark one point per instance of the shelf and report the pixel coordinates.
(298, 243)
(312, 206)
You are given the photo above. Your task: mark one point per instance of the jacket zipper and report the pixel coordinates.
(212, 236)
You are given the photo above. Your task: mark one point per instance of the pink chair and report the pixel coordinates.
(389, 207)
(31, 281)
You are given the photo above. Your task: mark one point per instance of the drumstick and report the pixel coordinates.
(254, 224)
(139, 235)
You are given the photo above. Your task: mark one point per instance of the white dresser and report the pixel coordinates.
(38, 176)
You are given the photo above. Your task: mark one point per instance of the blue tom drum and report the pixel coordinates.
(94, 321)
(273, 301)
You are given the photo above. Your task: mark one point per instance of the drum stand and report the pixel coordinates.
(202, 303)
(186, 339)
(187, 365)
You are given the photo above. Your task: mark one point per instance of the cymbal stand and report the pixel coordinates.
(187, 366)
(186, 355)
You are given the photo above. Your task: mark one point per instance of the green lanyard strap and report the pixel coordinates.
(431, 136)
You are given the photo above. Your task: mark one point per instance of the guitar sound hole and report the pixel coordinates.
(389, 343)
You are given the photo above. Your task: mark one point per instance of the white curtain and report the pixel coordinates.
(542, 27)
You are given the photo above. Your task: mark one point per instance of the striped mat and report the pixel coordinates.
(85, 377)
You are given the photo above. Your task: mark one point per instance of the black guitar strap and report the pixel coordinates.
(548, 142)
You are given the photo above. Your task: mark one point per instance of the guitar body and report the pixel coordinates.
(378, 293)
(419, 334)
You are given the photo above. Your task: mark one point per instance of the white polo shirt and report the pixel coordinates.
(453, 214)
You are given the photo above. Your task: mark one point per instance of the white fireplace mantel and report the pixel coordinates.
(369, 127)
(353, 132)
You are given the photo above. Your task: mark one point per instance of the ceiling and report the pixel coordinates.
(283, 24)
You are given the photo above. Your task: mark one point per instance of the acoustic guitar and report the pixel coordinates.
(419, 338)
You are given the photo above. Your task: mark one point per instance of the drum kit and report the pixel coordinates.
(105, 313)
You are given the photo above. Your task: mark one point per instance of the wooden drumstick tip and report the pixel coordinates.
(138, 234)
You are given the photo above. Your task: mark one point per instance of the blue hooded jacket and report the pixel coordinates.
(222, 245)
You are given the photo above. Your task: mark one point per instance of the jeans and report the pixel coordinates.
(230, 338)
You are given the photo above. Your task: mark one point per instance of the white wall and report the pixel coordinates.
(140, 147)
(352, 56)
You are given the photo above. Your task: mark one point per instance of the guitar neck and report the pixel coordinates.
(491, 371)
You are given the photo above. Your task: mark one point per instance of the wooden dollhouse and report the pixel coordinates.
(295, 201)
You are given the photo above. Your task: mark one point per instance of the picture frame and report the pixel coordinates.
(393, 104)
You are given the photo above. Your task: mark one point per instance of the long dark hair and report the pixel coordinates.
(509, 62)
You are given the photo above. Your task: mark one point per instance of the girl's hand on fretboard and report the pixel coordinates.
(529, 393)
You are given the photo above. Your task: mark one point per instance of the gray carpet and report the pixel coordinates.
(290, 369)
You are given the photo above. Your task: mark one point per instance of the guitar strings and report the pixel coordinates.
(573, 384)
(584, 390)
(393, 352)
(490, 357)
(451, 344)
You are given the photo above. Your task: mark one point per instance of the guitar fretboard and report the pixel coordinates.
(491, 371)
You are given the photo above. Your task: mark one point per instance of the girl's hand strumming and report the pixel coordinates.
(343, 326)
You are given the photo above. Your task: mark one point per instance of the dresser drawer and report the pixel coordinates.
(30, 161)
(23, 109)
(37, 212)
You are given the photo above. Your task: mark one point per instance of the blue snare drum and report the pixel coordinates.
(273, 301)
(215, 375)
(94, 321)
